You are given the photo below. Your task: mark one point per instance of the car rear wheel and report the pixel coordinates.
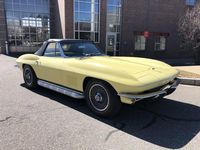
(30, 78)
(102, 99)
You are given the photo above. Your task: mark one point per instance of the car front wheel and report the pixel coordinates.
(30, 78)
(102, 99)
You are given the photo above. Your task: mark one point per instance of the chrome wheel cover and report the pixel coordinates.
(99, 97)
(28, 77)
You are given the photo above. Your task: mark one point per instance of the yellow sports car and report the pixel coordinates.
(77, 68)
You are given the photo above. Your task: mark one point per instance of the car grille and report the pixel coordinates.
(154, 89)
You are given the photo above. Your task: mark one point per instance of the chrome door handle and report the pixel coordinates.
(37, 62)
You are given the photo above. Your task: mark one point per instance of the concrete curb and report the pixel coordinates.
(190, 81)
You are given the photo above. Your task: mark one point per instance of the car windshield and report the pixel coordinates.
(80, 49)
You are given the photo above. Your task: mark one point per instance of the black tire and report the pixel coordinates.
(30, 78)
(102, 99)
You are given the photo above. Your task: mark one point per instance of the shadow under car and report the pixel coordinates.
(167, 123)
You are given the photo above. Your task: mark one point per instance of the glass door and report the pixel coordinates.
(111, 44)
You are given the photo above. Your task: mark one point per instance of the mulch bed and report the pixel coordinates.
(187, 74)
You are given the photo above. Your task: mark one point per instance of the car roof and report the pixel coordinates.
(67, 40)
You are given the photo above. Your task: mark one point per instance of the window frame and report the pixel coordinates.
(29, 18)
(96, 22)
(159, 43)
(135, 36)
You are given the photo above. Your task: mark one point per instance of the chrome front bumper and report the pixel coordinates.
(166, 90)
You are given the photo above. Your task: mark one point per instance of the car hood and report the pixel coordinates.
(140, 69)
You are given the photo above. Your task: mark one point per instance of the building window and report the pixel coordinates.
(27, 22)
(190, 2)
(86, 19)
(140, 42)
(113, 15)
(160, 43)
(113, 25)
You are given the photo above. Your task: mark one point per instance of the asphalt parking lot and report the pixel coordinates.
(45, 120)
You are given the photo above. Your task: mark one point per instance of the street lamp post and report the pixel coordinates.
(7, 51)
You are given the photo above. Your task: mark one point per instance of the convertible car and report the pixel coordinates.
(78, 68)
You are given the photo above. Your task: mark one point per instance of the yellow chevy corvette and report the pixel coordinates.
(77, 68)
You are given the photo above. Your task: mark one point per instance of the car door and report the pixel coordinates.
(49, 64)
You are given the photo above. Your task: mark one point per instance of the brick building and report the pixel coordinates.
(146, 28)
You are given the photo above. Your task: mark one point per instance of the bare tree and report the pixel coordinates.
(189, 29)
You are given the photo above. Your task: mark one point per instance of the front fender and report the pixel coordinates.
(29, 59)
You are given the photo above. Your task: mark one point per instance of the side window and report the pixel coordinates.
(52, 50)
(58, 53)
